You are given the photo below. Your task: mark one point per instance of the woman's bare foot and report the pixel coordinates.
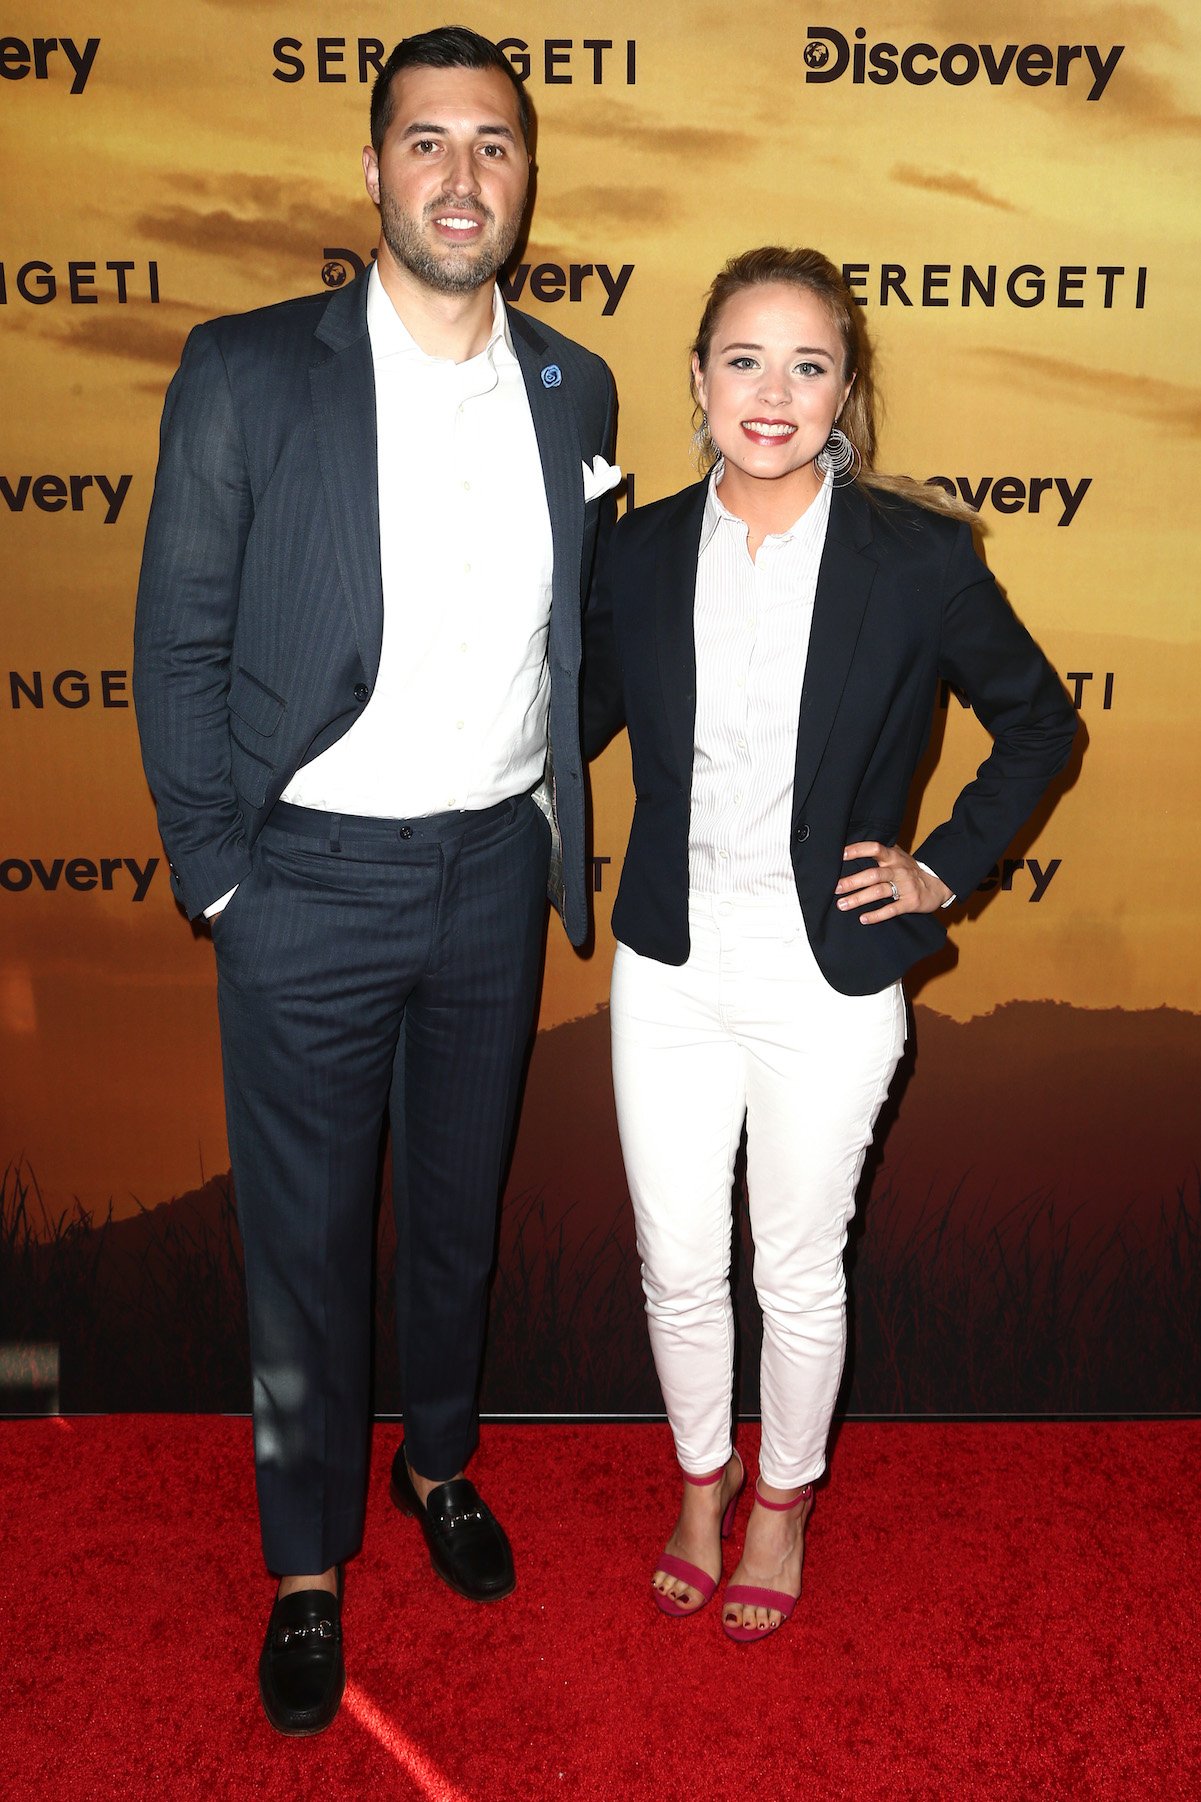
(772, 1556)
(697, 1536)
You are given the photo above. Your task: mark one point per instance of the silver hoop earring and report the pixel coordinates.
(838, 458)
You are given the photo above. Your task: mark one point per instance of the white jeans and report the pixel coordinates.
(747, 1028)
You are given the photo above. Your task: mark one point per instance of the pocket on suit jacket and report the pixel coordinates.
(255, 713)
(256, 705)
(251, 773)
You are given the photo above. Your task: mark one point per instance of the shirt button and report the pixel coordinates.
(801, 834)
(458, 725)
(723, 854)
(361, 691)
(462, 647)
(740, 682)
(467, 569)
(467, 485)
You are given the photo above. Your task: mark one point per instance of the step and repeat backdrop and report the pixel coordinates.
(1012, 193)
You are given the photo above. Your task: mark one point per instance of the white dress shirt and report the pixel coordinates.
(752, 621)
(458, 715)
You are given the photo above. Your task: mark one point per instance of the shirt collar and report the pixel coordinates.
(391, 337)
(716, 510)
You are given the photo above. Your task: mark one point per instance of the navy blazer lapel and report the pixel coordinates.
(342, 383)
(556, 428)
(676, 562)
(844, 584)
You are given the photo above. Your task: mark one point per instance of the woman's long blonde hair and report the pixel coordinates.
(810, 270)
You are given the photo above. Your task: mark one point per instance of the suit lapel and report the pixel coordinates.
(342, 384)
(675, 623)
(844, 585)
(556, 427)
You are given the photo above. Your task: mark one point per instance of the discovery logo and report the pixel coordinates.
(828, 55)
(1002, 876)
(44, 59)
(81, 874)
(1010, 494)
(545, 282)
(53, 494)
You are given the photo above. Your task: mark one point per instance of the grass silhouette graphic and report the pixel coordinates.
(976, 1288)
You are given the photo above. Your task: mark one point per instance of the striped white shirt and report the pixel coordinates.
(752, 621)
(458, 715)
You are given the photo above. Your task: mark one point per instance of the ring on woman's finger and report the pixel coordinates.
(896, 893)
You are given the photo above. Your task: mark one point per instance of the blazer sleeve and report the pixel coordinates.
(988, 655)
(200, 516)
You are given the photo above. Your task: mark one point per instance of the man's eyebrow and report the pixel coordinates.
(422, 129)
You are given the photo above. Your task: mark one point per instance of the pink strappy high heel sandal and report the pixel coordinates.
(692, 1574)
(749, 1594)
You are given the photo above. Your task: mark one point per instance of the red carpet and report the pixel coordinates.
(992, 1611)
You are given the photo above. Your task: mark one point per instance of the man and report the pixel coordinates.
(357, 657)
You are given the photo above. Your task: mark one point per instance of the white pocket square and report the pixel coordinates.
(600, 478)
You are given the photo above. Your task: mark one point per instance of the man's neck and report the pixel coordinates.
(455, 326)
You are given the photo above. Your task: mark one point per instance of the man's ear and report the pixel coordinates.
(371, 172)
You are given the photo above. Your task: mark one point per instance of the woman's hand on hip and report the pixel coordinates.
(900, 884)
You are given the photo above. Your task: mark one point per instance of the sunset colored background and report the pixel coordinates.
(185, 151)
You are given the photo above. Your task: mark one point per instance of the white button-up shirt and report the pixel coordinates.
(752, 620)
(458, 715)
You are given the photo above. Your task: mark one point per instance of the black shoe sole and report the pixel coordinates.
(282, 1725)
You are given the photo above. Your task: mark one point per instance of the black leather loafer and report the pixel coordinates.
(467, 1543)
(301, 1673)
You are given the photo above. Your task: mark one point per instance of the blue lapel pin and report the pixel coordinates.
(552, 375)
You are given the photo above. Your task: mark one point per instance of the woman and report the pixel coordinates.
(773, 637)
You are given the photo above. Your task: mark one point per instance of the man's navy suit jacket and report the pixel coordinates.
(260, 606)
(902, 600)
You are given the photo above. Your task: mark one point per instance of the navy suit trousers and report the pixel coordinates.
(371, 968)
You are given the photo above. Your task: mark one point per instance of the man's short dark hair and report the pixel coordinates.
(446, 47)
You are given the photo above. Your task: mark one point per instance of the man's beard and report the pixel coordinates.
(459, 271)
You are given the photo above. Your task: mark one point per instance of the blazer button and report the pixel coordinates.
(801, 834)
(361, 691)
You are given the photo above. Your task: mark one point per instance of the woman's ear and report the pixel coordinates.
(698, 382)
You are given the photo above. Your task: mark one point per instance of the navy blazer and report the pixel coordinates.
(902, 601)
(260, 606)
